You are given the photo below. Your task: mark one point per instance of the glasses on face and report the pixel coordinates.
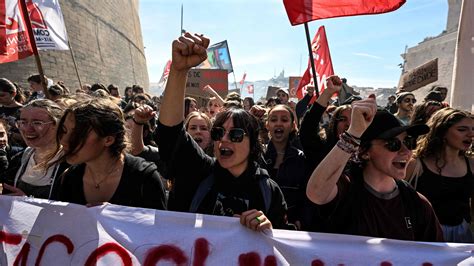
(281, 95)
(235, 134)
(37, 125)
(408, 100)
(395, 144)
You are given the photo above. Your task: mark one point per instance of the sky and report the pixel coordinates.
(364, 49)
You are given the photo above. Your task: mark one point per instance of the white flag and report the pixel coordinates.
(48, 24)
(462, 91)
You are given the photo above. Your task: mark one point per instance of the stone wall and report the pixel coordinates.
(106, 39)
(442, 47)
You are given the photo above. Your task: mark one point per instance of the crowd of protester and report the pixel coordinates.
(338, 164)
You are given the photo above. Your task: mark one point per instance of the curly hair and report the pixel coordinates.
(432, 144)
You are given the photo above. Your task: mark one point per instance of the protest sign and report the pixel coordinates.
(420, 76)
(35, 232)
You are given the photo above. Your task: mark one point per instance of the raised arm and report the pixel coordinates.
(187, 51)
(322, 187)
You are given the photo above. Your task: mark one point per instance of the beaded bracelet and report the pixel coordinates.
(347, 146)
(350, 138)
(138, 123)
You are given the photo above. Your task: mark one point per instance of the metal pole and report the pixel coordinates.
(75, 65)
(311, 59)
(31, 36)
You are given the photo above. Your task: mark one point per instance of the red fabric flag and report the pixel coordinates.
(250, 89)
(15, 43)
(322, 63)
(241, 82)
(301, 11)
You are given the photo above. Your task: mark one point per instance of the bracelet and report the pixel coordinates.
(349, 138)
(138, 123)
(347, 146)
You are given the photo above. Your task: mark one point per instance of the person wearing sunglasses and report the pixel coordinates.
(35, 172)
(232, 183)
(370, 198)
(405, 102)
(442, 171)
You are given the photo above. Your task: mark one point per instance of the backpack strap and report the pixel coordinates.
(201, 192)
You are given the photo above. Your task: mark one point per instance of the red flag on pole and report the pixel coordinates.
(243, 79)
(322, 61)
(15, 44)
(301, 11)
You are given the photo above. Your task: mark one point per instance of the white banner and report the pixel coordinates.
(40, 232)
(48, 24)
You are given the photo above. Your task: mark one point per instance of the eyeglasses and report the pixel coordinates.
(395, 144)
(281, 95)
(408, 100)
(342, 119)
(37, 125)
(235, 134)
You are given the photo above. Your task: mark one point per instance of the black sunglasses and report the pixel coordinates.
(395, 144)
(235, 134)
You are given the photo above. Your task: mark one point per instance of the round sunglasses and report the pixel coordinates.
(394, 144)
(235, 134)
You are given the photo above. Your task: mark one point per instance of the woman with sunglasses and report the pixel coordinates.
(444, 173)
(36, 171)
(232, 183)
(371, 198)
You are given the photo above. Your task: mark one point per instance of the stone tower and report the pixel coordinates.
(107, 43)
(442, 47)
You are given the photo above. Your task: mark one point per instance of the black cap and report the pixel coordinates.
(387, 126)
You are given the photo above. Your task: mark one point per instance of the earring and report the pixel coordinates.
(366, 157)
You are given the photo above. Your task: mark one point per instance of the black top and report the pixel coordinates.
(291, 176)
(228, 195)
(450, 196)
(140, 185)
(315, 148)
(359, 210)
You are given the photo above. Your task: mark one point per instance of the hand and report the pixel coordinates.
(333, 84)
(363, 113)
(143, 114)
(189, 51)
(257, 111)
(96, 204)
(14, 190)
(255, 220)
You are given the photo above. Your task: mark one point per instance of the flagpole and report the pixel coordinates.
(74, 61)
(182, 30)
(235, 82)
(31, 36)
(311, 59)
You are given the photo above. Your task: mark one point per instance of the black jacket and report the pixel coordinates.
(292, 177)
(227, 195)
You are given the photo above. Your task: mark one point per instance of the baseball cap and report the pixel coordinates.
(387, 126)
(402, 95)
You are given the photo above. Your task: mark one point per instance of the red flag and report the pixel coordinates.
(15, 42)
(322, 63)
(241, 82)
(250, 89)
(301, 11)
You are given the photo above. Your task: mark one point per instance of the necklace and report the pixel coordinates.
(97, 184)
